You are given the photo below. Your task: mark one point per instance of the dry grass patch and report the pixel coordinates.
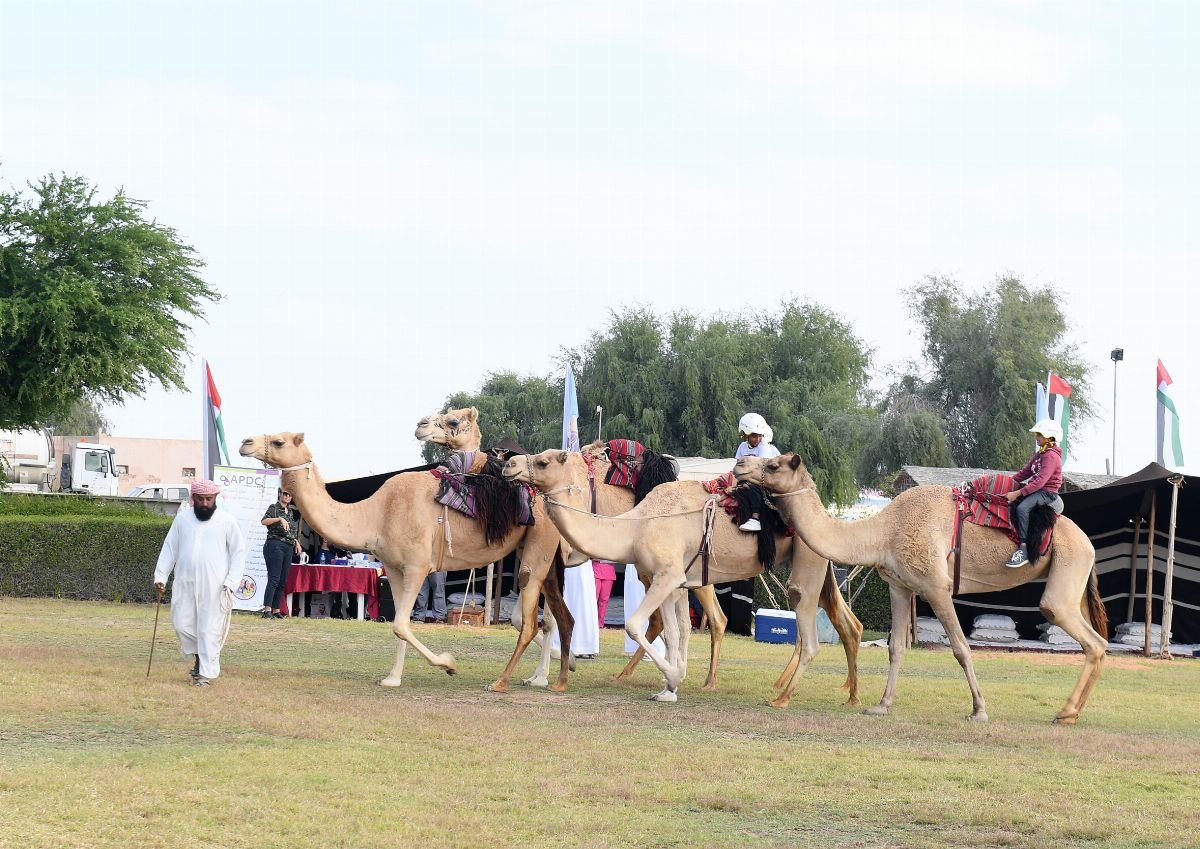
(298, 735)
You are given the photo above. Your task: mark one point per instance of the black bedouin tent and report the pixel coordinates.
(1117, 518)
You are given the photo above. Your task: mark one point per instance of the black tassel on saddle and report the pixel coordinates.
(656, 469)
(1041, 519)
(497, 502)
(770, 520)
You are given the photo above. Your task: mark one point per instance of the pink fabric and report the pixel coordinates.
(603, 593)
(205, 487)
(604, 569)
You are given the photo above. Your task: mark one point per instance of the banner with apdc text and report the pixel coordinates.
(246, 493)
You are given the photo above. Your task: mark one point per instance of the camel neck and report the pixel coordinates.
(344, 525)
(855, 543)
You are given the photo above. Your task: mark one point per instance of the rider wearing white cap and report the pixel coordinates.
(756, 442)
(1040, 480)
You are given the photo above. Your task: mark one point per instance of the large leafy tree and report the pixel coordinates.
(95, 300)
(984, 355)
(679, 384)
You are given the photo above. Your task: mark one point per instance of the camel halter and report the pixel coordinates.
(307, 466)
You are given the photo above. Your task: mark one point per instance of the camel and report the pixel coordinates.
(660, 535)
(909, 541)
(410, 533)
(459, 430)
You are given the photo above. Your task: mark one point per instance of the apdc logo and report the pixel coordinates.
(246, 588)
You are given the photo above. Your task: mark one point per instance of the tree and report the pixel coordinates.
(94, 300)
(528, 409)
(904, 432)
(84, 418)
(680, 384)
(984, 355)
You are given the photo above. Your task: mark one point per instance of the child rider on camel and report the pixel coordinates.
(1040, 480)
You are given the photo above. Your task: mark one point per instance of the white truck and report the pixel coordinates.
(30, 464)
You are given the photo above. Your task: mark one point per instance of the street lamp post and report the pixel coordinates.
(1116, 356)
(599, 421)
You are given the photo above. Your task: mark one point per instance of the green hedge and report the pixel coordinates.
(70, 504)
(93, 557)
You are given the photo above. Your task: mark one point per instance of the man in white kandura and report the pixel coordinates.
(206, 550)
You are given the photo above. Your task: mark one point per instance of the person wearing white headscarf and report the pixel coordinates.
(207, 552)
(756, 442)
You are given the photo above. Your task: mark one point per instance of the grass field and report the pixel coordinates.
(296, 745)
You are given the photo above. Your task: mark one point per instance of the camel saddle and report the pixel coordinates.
(466, 484)
(983, 501)
(625, 455)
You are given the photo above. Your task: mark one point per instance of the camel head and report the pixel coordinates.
(785, 473)
(547, 471)
(455, 428)
(596, 451)
(278, 450)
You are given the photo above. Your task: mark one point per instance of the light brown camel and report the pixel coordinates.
(408, 531)
(662, 535)
(909, 542)
(459, 430)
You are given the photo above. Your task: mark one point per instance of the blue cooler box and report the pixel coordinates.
(779, 626)
(775, 626)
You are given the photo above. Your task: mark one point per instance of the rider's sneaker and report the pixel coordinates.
(1019, 558)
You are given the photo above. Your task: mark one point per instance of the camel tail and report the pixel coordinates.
(1095, 606)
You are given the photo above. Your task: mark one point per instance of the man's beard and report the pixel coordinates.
(204, 513)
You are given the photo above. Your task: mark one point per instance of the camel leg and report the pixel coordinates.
(804, 602)
(524, 619)
(707, 596)
(564, 622)
(897, 645)
(660, 589)
(676, 660)
(410, 580)
(849, 630)
(683, 624)
(653, 629)
(1060, 605)
(943, 609)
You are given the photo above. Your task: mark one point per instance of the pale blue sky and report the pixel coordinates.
(377, 186)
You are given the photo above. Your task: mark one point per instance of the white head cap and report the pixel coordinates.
(754, 423)
(1048, 428)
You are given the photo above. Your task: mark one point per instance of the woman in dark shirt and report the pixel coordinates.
(281, 522)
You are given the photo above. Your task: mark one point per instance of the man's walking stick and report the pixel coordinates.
(154, 636)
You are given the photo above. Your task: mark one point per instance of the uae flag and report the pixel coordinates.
(1053, 403)
(215, 450)
(1168, 445)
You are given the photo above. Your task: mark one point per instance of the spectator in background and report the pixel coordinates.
(427, 609)
(282, 523)
(325, 554)
(606, 574)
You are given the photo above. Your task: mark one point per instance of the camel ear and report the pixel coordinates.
(297, 438)
(562, 456)
(473, 412)
(794, 462)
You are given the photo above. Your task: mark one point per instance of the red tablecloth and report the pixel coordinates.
(312, 578)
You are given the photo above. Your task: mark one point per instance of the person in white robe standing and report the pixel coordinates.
(207, 552)
(579, 592)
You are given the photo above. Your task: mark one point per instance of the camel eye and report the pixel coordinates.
(278, 443)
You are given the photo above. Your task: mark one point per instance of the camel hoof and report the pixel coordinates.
(496, 687)
(780, 702)
(665, 696)
(709, 687)
(535, 681)
(624, 676)
(877, 710)
(853, 702)
(558, 687)
(978, 716)
(390, 682)
(1065, 720)
(446, 661)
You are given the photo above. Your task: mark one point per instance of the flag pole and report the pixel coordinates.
(1168, 609)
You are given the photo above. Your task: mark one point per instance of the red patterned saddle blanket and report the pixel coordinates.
(983, 502)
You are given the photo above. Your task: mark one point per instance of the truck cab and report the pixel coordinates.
(90, 468)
